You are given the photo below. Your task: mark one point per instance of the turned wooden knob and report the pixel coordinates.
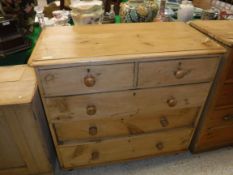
(180, 73)
(159, 146)
(93, 131)
(164, 122)
(91, 110)
(95, 155)
(89, 81)
(171, 102)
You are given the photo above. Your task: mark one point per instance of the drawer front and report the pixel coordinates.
(152, 74)
(125, 148)
(86, 79)
(214, 138)
(226, 96)
(220, 118)
(127, 103)
(229, 77)
(88, 130)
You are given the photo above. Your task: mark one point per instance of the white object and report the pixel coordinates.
(49, 22)
(40, 15)
(57, 14)
(186, 11)
(87, 12)
(74, 2)
(112, 13)
(60, 17)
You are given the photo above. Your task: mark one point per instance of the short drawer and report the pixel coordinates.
(143, 122)
(86, 79)
(220, 118)
(226, 96)
(121, 149)
(126, 103)
(153, 74)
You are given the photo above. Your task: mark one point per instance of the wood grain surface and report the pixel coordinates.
(215, 126)
(125, 148)
(221, 30)
(63, 45)
(71, 81)
(17, 84)
(152, 74)
(23, 147)
(126, 103)
(104, 128)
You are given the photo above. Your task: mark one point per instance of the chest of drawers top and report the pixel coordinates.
(221, 30)
(17, 85)
(120, 43)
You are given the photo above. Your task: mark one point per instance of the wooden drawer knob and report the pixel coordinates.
(228, 118)
(172, 102)
(159, 146)
(164, 122)
(93, 130)
(179, 74)
(89, 81)
(49, 77)
(91, 110)
(95, 155)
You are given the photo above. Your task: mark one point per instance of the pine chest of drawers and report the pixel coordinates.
(120, 92)
(216, 127)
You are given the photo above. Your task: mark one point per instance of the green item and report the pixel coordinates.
(22, 56)
(117, 19)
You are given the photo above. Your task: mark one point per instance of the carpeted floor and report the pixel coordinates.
(219, 162)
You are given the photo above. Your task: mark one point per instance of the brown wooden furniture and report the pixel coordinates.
(121, 92)
(216, 127)
(24, 148)
(11, 40)
(204, 4)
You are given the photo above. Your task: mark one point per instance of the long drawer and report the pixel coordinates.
(220, 118)
(153, 74)
(86, 79)
(112, 150)
(216, 137)
(102, 128)
(126, 103)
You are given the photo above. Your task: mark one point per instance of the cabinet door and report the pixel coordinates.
(15, 157)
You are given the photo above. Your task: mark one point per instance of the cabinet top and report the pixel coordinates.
(120, 42)
(221, 30)
(17, 84)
